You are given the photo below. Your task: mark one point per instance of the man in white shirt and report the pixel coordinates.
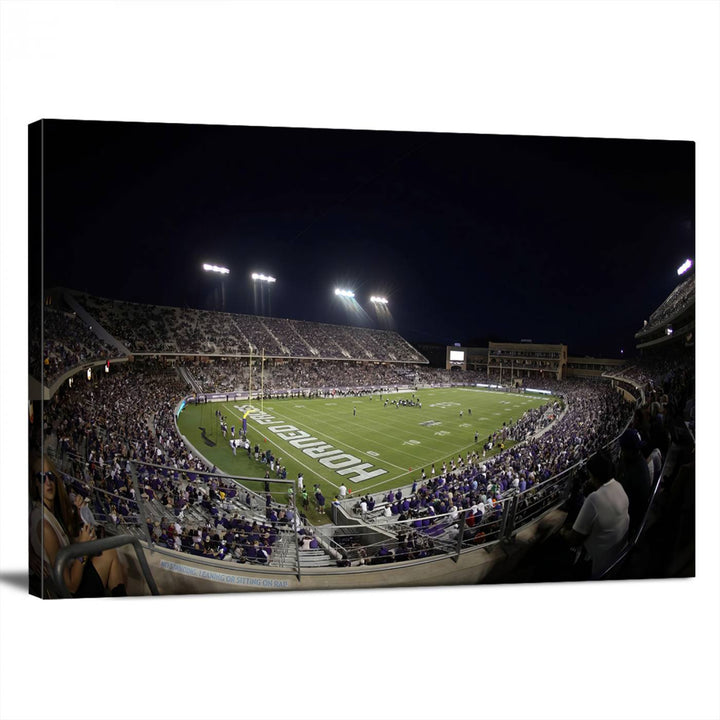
(603, 521)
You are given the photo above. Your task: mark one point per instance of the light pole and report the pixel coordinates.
(222, 271)
(265, 281)
(382, 312)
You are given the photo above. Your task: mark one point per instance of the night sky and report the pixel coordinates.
(470, 237)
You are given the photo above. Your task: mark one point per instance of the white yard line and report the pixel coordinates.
(299, 462)
(387, 434)
(338, 443)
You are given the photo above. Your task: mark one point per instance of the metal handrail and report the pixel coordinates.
(93, 547)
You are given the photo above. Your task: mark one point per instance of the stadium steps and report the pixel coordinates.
(314, 558)
(279, 342)
(296, 334)
(283, 554)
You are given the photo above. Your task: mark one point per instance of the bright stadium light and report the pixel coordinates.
(264, 278)
(215, 268)
(684, 267)
(379, 300)
(344, 293)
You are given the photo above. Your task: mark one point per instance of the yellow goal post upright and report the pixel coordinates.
(250, 379)
(262, 382)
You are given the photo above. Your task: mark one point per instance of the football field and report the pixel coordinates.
(367, 444)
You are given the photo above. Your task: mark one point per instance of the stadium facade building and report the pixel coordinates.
(466, 358)
(514, 362)
(589, 367)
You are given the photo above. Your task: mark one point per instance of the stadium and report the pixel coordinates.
(218, 452)
(216, 416)
(520, 255)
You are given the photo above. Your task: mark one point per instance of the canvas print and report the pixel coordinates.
(271, 359)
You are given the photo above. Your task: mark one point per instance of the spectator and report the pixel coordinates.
(53, 523)
(634, 476)
(603, 521)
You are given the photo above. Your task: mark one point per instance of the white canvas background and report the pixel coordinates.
(622, 69)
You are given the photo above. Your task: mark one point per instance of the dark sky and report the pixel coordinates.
(470, 237)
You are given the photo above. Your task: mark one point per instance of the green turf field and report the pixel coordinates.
(377, 448)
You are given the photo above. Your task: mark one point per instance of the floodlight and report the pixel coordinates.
(265, 278)
(216, 269)
(685, 267)
(344, 293)
(380, 300)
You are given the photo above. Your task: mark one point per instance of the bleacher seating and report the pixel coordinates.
(156, 329)
(680, 299)
(66, 343)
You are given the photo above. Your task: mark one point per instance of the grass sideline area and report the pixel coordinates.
(320, 437)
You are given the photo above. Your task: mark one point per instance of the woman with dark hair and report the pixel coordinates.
(53, 522)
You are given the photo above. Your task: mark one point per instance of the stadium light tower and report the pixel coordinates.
(344, 293)
(382, 311)
(216, 269)
(685, 267)
(222, 271)
(266, 281)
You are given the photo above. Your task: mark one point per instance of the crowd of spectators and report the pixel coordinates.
(287, 377)
(439, 376)
(64, 342)
(98, 427)
(637, 375)
(375, 359)
(157, 329)
(478, 485)
(652, 375)
(220, 375)
(680, 299)
(655, 439)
